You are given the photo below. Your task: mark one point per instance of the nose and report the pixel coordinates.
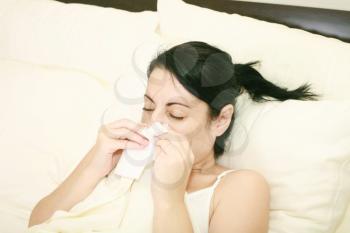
(158, 115)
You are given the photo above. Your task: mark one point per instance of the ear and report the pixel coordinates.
(223, 120)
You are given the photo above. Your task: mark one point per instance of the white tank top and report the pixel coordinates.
(198, 205)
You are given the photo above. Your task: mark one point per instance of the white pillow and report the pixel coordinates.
(303, 150)
(49, 120)
(290, 57)
(100, 41)
(344, 227)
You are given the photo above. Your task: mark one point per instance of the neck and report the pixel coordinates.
(207, 163)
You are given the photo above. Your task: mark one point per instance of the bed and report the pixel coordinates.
(50, 49)
(332, 23)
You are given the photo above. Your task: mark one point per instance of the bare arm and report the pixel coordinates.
(243, 204)
(112, 139)
(76, 187)
(171, 218)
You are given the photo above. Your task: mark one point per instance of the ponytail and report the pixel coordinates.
(258, 87)
(208, 73)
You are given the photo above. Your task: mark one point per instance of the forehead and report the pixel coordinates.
(164, 85)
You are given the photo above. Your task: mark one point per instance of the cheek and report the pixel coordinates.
(189, 127)
(202, 143)
(200, 137)
(193, 127)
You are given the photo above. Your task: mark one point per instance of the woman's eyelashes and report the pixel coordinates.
(172, 116)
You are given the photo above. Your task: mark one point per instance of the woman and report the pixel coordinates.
(193, 88)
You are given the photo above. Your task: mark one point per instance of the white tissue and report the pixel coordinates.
(133, 161)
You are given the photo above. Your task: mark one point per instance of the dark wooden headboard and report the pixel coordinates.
(330, 23)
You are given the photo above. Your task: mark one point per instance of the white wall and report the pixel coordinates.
(329, 4)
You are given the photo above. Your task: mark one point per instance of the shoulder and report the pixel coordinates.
(244, 176)
(242, 182)
(243, 195)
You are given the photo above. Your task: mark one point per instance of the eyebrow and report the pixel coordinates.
(168, 104)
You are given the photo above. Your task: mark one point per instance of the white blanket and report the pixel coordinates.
(116, 205)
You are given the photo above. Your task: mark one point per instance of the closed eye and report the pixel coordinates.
(175, 117)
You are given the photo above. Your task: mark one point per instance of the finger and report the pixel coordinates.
(158, 152)
(125, 133)
(123, 144)
(123, 123)
(126, 123)
(185, 152)
(167, 147)
(178, 140)
(172, 136)
(115, 159)
(173, 156)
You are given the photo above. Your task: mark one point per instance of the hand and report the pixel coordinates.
(172, 166)
(112, 139)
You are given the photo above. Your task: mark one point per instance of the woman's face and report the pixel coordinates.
(167, 101)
